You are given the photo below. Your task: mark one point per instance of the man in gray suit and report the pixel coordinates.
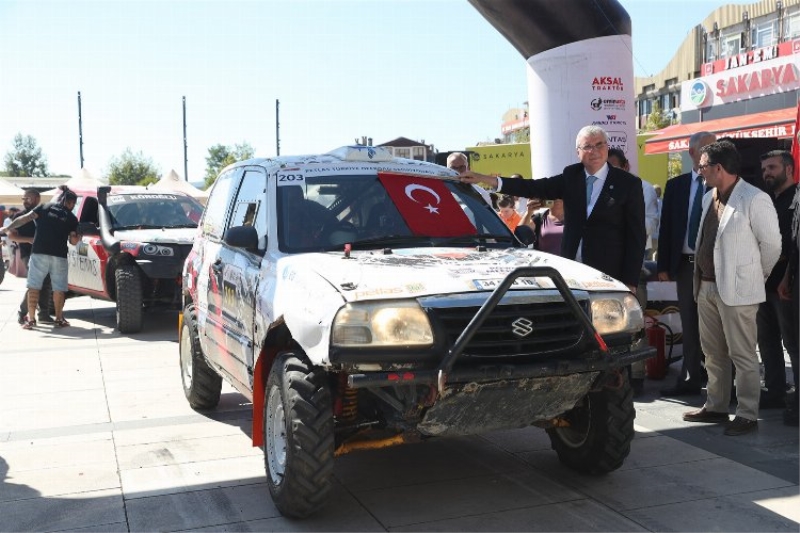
(738, 244)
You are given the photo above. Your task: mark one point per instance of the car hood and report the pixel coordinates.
(415, 272)
(159, 235)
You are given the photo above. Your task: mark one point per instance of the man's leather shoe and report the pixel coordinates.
(45, 319)
(740, 426)
(681, 390)
(702, 415)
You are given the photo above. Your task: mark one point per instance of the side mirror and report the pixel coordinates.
(87, 228)
(102, 195)
(525, 235)
(242, 237)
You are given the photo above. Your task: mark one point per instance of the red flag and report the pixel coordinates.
(795, 147)
(427, 205)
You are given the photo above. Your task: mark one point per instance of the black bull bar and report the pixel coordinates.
(445, 372)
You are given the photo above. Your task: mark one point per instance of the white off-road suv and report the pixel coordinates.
(361, 300)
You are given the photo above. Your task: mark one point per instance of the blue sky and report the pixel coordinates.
(423, 69)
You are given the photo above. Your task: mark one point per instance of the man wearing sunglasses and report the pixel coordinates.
(738, 243)
(603, 208)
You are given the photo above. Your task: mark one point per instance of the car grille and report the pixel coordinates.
(542, 329)
(183, 251)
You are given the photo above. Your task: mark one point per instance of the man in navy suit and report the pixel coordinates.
(603, 208)
(682, 196)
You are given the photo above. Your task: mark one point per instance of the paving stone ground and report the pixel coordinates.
(95, 435)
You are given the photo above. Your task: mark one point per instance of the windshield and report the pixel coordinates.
(326, 212)
(130, 211)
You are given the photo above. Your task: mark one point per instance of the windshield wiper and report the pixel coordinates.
(140, 226)
(480, 238)
(389, 240)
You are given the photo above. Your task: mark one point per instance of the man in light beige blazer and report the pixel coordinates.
(738, 243)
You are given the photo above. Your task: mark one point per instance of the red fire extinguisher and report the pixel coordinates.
(656, 366)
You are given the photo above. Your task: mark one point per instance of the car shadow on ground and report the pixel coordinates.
(157, 325)
(234, 409)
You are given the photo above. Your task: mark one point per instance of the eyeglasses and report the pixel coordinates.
(459, 168)
(593, 147)
(701, 168)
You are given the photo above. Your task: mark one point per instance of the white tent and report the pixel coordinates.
(83, 179)
(173, 182)
(10, 194)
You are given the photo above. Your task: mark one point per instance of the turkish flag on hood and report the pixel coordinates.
(427, 205)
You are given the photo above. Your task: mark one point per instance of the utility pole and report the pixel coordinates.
(80, 129)
(185, 146)
(277, 127)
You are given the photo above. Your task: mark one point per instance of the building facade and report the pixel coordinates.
(410, 149)
(736, 74)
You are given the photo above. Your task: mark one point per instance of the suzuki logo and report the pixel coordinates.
(522, 327)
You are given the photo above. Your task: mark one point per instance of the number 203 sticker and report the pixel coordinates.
(291, 177)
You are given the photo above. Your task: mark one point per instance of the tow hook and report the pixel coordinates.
(557, 422)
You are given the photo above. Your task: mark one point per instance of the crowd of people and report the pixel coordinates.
(731, 248)
(42, 232)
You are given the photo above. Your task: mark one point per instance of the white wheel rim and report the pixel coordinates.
(276, 436)
(186, 357)
(577, 437)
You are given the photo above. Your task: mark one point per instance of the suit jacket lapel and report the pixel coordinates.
(730, 207)
(578, 180)
(684, 194)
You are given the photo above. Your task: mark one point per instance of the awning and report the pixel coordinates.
(777, 124)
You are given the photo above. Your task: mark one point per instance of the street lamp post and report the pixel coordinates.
(185, 145)
(80, 129)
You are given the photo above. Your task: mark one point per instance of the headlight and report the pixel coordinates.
(396, 323)
(154, 249)
(616, 313)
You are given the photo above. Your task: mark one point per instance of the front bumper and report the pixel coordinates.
(596, 357)
(159, 267)
(488, 373)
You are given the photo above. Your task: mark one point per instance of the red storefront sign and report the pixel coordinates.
(778, 124)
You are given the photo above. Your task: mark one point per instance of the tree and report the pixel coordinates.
(25, 159)
(522, 135)
(220, 156)
(657, 118)
(674, 165)
(131, 169)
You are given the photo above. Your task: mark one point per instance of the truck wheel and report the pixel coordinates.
(201, 385)
(128, 282)
(298, 436)
(600, 433)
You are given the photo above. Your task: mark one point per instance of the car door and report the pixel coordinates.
(87, 258)
(209, 271)
(239, 274)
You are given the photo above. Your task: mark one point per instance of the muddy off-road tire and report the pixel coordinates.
(599, 437)
(128, 282)
(298, 435)
(201, 385)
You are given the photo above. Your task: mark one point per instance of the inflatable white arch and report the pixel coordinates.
(580, 72)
